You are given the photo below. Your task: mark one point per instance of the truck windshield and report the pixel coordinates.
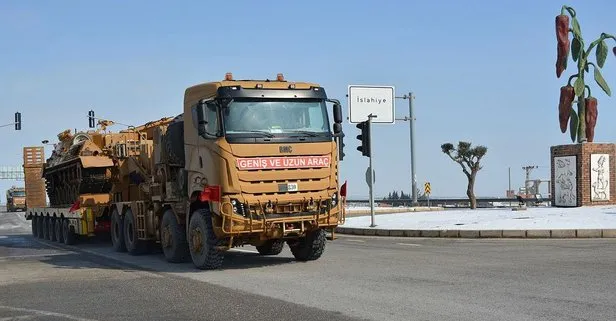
(297, 117)
(19, 194)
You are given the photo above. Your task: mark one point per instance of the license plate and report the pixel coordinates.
(288, 187)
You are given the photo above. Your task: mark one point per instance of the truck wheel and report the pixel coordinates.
(59, 230)
(134, 245)
(203, 242)
(117, 232)
(40, 227)
(68, 235)
(52, 229)
(311, 247)
(34, 226)
(271, 247)
(173, 239)
(46, 228)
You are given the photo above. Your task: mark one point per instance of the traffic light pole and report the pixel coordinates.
(371, 175)
(17, 122)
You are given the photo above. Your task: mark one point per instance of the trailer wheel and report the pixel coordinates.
(52, 229)
(34, 226)
(311, 247)
(40, 227)
(117, 232)
(46, 228)
(173, 239)
(203, 241)
(134, 245)
(68, 235)
(271, 247)
(59, 230)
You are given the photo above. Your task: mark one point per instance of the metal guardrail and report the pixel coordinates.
(456, 202)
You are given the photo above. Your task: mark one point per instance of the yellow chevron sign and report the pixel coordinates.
(427, 188)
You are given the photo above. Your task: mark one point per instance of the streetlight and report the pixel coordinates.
(411, 118)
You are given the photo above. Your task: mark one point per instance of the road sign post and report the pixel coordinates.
(371, 170)
(427, 191)
(377, 103)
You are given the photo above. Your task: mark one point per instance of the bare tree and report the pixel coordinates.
(468, 158)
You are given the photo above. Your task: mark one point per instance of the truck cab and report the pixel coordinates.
(15, 199)
(261, 164)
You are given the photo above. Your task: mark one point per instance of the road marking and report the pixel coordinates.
(30, 255)
(358, 241)
(19, 317)
(45, 313)
(409, 244)
(245, 251)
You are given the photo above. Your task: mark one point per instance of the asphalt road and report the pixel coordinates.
(358, 277)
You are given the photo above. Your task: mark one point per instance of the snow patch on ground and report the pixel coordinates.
(600, 217)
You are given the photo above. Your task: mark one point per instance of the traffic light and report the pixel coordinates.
(17, 121)
(91, 119)
(341, 146)
(364, 137)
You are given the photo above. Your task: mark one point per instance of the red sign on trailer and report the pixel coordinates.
(282, 162)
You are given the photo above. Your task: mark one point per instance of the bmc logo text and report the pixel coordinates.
(285, 149)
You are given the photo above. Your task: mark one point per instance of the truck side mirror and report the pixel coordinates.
(337, 128)
(202, 119)
(337, 113)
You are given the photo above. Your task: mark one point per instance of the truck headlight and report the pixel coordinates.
(238, 207)
(334, 199)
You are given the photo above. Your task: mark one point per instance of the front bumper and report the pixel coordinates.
(279, 219)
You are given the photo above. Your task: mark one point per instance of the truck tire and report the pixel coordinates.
(311, 247)
(173, 239)
(45, 228)
(59, 227)
(271, 247)
(51, 225)
(117, 232)
(202, 241)
(68, 235)
(34, 226)
(174, 142)
(40, 227)
(134, 245)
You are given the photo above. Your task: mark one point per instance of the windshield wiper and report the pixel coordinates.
(305, 132)
(264, 133)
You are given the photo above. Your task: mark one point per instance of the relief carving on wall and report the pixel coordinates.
(565, 176)
(600, 177)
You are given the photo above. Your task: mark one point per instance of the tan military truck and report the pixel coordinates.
(15, 199)
(248, 162)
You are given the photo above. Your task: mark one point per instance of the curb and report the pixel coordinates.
(394, 210)
(526, 234)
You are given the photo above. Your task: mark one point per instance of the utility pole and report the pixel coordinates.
(528, 169)
(411, 118)
(509, 190)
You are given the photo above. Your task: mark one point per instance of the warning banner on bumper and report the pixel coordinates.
(282, 162)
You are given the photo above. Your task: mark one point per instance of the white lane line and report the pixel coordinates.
(19, 317)
(408, 244)
(31, 255)
(244, 250)
(358, 241)
(45, 313)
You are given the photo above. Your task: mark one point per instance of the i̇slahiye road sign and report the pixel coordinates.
(376, 100)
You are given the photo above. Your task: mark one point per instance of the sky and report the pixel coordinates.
(480, 71)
